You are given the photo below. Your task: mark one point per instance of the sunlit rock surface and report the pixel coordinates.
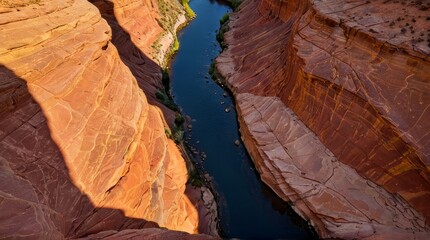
(356, 78)
(81, 149)
(143, 32)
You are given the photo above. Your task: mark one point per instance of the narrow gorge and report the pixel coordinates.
(247, 208)
(332, 99)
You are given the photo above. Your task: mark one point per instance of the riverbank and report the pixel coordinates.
(310, 131)
(200, 193)
(247, 207)
(147, 49)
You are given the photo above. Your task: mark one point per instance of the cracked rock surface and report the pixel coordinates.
(359, 86)
(332, 195)
(81, 150)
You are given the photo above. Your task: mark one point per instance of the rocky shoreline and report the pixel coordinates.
(164, 50)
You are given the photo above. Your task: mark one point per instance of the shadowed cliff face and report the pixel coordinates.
(38, 198)
(131, 37)
(348, 108)
(82, 151)
(140, 39)
(145, 70)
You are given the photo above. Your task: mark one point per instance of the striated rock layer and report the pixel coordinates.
(142, 40)
(147, 233)
(81, 149)
(333, 103)
(143, 32)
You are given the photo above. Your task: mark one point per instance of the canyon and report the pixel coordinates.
(84, 151)
(332, 100)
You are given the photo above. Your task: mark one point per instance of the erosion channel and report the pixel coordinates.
(247, 207)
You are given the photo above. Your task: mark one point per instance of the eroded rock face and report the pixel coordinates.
(294, 162)
(143, 33)
(360, 83)
(81, 149)
(147, 233)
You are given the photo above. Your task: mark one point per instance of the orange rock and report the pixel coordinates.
(357, 81)
(147, 233)
(135, 32)
(81, 149)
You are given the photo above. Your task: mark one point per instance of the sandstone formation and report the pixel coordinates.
(81, 149)
(147, 233)
(147, 24)
(333, 101)
(204, 200)
(143, 35)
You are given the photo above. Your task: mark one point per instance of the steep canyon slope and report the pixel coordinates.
(142, 32)
(333, 100)
(81, 150)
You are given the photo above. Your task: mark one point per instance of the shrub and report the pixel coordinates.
(165, 79)
(195, 179)
(179, 120)
(165, 100)
(175, 47)
(177, 134)
(188, 11)
(235, 3)
(212, 69)
(224, 18)
(220, 37)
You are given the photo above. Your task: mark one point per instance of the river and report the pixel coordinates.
(248, 208)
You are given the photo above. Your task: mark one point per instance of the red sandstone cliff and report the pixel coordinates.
(81, 149)
(143, 31)
(333, 100)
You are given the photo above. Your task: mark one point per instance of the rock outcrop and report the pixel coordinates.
(147, 233)
(333, 103)
(82, 151)
(204, 200)
(143, 33)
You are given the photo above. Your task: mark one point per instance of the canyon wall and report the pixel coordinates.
(82, 151)
(142, 32)
(333, 101)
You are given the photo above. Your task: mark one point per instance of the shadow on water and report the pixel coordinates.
(248, 208)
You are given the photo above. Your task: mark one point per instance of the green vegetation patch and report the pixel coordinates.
(224, 18)
(234, 3)
(173, 50)
(166, 100)
(177, 132)
(165, 78)
(190, 14)
(220, 35)
(195, 179)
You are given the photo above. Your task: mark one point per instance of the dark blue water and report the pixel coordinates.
(248, 208)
